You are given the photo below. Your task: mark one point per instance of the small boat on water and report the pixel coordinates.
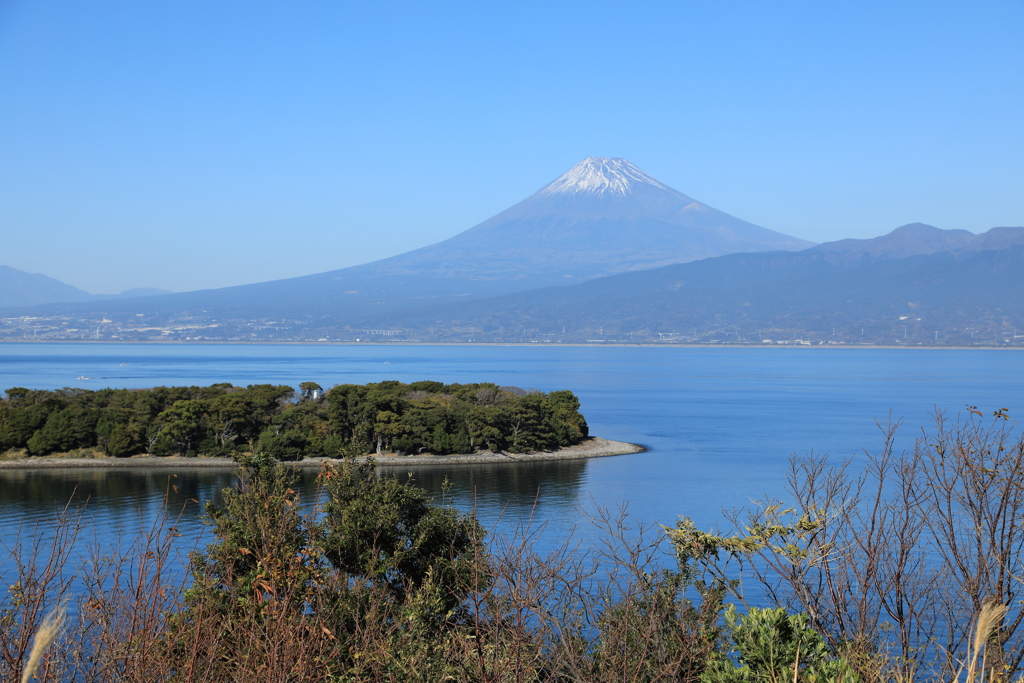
(83, 377)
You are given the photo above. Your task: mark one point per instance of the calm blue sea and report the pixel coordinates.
(719, 423)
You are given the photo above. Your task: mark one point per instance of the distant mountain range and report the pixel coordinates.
(914, 282)
(18, 288)
(603, 253)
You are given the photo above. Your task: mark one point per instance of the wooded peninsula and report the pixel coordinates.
(346, 420)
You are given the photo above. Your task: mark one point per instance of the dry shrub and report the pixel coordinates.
(894, 557)
(610, 613)
(266, 601)
(40, 557)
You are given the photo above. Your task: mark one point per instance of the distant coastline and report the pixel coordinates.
(593, 447)
(650, 345)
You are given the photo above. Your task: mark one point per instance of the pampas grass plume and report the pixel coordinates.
(989, 620)
(46, 634)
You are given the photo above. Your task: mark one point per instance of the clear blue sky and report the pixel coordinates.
(189, 144)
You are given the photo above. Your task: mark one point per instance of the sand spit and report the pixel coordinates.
(593, 447)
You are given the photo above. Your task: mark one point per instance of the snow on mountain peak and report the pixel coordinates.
(600, 176)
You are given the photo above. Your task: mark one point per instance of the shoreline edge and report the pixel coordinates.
(592, 447)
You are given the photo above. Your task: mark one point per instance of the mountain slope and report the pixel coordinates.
(603, 216)
(933, 278)
(18, 288)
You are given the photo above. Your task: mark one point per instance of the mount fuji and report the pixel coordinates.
(602, 217)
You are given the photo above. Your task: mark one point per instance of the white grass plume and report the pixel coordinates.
(989, 621)
(46, 634)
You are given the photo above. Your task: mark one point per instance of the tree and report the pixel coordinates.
(120, 443)
(344, 410)
(181, 425)
(267, 399)
(57, 435)
(232, 418)
(570, 426)
(310, 391)
(265, 603)
(287, 445)
(527, 422)
(386, 428)
(387, 532)
(27, 412)
(261, 604)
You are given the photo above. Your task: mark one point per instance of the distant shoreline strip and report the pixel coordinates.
(593, 447)
(535, 345)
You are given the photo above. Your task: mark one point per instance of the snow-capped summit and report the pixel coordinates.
(602, 216)
(601, 175)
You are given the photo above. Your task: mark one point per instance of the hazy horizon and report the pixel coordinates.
(191, 146)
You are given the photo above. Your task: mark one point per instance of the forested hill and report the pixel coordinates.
(221, 420)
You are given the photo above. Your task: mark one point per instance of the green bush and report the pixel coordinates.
(773, 646)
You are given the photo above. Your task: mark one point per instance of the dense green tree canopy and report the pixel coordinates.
(350, 419)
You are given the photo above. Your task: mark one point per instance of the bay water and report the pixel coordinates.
(719, 423)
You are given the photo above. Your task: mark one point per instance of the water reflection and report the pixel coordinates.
(120, 503)
(512, 491)
(518, 487)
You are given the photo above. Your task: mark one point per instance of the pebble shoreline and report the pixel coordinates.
(593, 447)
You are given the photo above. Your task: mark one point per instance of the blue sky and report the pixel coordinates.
(187, 145)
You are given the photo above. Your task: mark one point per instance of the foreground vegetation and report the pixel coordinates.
(223, 420)
(904, 567)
